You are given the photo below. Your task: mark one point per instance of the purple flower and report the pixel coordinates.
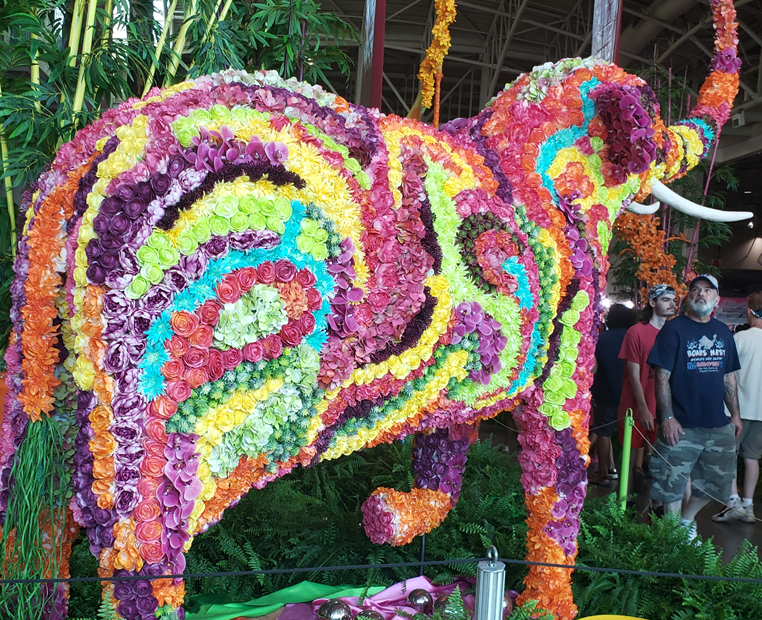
(276, 152)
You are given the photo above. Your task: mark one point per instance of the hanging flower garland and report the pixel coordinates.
(647, 242)
(440, 45)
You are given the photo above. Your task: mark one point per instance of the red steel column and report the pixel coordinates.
(371, 69)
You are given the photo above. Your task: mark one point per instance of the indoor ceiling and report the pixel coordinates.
(495, 40)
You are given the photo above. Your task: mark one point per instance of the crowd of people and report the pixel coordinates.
(695, 394)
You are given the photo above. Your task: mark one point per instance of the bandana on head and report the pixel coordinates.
(756, 313)
(658, 290)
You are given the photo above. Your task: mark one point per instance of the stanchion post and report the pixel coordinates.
(624, 470)
(490, 588)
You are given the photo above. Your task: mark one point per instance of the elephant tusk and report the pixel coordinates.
(640, 209)
(663, 193)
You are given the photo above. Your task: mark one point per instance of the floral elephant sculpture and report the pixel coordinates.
(238, 274)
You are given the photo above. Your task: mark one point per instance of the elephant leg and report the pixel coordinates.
(439, 458)
(554, 440)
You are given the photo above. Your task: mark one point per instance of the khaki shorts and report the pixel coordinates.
(749, 442)
(705, 455)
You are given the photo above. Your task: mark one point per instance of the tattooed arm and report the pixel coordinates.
(671, 428)
(731, 400)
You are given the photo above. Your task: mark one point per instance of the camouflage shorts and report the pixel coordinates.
(705, 455)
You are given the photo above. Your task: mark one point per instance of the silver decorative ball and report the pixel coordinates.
(420, 599)
(441, 604)
(335, 609)
(369, 614)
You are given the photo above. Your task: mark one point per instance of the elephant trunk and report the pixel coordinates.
(692, 138)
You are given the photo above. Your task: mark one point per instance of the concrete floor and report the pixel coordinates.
(729, 536)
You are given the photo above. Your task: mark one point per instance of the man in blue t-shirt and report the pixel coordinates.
(694, 358)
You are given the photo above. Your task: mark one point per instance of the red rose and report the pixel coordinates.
(247, 277)
(273, 346)
(306, 278)
(232, 358)
(209, 312)
(148, 509)
(177, 346)
(290, 334)
(202, 337)
(153, 466)
(314, 301)
(196, 377)
(228, 290)
(215, 367)
(266, 273)
(196, 358)
(307, 323)
(178, 390)
(253, 352)
(183, 323)
(284, 271)
(173, 369)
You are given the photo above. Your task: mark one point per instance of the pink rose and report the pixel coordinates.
(266, 273)
(284, 271)
(202, 337)
(232, 358)
(378, 301)
(290, 334)
(177, 346)
(363, 314)
(306, 323)
(314, 300)
(196, 377)
(253, 352)
(228, 291)
(273, 346)
(215, 367)
(196, 358)
(178, 390)
(209, 312)
(306, 278)
(173, 369)
(247, 277)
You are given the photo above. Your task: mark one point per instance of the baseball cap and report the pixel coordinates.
(657, 290)
(705, 276)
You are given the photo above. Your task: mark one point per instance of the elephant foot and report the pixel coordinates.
(396, 518)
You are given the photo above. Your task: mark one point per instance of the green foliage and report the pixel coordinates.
(530, 611)
(298, 39)
(611, 539)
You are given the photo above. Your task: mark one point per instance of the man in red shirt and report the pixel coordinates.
(638, 387)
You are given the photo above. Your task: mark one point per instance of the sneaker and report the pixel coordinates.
(748, 514)
(613, 474)
(732, 513)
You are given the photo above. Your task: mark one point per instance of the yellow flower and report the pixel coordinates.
(84, 373)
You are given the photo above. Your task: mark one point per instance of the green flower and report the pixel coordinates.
(201, 231)
(168, 257)
(239, 222)
(219, 113)
(220, 226)
(152, 272)
(186, 243)
(248, 204)
(257, 221)
(138, 287)
(200, 116)
(274, 223)
(185, 130)
(260, 312)
(226, 206)
(147, 255)
(158, 240)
